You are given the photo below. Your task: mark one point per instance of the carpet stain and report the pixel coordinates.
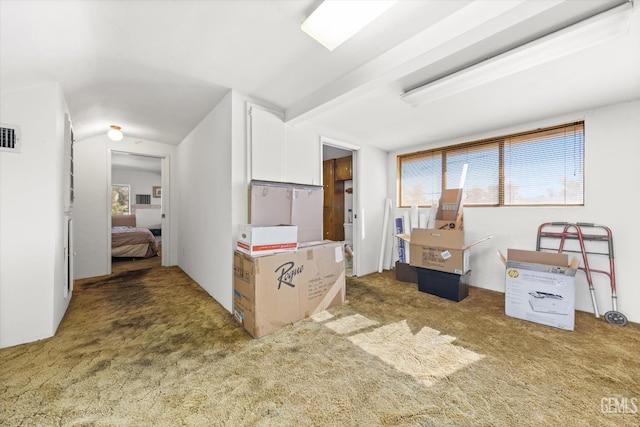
(124, 279)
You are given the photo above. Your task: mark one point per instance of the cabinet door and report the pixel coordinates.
(343, 168)
(327, 223)
(338, 211)
(266, 144)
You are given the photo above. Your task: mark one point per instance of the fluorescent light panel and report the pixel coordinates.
(334, 21)
(591, 32)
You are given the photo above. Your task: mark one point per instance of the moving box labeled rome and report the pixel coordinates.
(273, 291)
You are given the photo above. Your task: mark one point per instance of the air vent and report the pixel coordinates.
(143, 199)
(9, 138)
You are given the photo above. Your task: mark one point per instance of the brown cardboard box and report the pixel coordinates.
(441, 250)
(449, 214)
(450, 206)
(272, 203)
(272, 291)
(306, 213)
(269, 204)
(450, 225)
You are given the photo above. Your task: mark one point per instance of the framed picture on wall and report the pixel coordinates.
(157, 192)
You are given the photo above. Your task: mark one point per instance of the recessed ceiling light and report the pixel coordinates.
(334, 22)
(115, 133)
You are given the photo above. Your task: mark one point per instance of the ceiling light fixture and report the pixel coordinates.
(335, 21)
(115, 133)
(581, 36)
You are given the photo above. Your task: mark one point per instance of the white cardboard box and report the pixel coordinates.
(540, 287)
(263, 240)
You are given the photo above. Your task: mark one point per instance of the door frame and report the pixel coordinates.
(358, 221)
(165, 182)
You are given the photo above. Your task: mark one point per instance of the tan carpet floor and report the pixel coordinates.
(149, 347)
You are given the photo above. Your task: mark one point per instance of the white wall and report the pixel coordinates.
(611, 166)
(32, 216)
(141, 182)
(205, 246)
(303, 164)
(212, 192)
(92, 204)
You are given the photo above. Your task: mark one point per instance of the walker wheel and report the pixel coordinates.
(615, 318)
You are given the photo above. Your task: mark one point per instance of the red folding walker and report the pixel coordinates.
(573, 231)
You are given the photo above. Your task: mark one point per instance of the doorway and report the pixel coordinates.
(339, 180)
(137, 187)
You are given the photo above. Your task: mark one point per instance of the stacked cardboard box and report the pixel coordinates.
(283, 270)
(273, 291)
(447, 217)
(440, 258)
(444, 252)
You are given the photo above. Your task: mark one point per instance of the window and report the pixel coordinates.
(120, 199)
(143, 199)
(541, 167)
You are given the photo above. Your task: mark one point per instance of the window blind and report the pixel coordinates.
(421, 179)
(482, 180)
(545, 167)
(538, 167)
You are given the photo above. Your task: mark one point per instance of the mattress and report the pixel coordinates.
(136, 242)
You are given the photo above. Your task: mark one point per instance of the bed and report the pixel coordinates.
(130, 241)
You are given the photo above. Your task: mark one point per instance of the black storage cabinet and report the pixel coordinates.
(406, 272)
(454, 287)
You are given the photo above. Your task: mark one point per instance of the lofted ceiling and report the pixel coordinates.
(156, 68)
